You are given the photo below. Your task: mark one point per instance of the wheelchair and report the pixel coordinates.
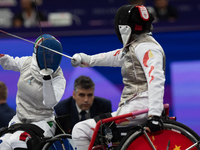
(61, 140)
(173, 136)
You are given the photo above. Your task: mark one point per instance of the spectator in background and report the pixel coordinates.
(138, 2)
(28, 16)
(83, 101)
(6, 112)
(164, 11)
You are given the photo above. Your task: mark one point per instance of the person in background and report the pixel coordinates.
(28, 16)
(41, 86)
(136, 2)
(83, 104)
(6, 112)
(165, 11)
(142, 62)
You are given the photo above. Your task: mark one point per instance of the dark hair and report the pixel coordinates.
(3, 91)
(83, 82)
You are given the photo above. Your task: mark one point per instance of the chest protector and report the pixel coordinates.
(132, 72)
(30, 96)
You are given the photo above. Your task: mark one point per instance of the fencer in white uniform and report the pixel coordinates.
(41, 86)
(142, 62)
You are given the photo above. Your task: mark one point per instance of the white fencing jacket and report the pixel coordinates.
(143, 74)
(35, 97)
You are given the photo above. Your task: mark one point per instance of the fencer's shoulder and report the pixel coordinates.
(58, 72)
(146, 46)
(28, 58)
(26, 61)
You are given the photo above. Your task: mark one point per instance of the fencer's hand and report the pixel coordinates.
(80, 59)
(154, 123)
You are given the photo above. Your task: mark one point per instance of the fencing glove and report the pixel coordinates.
(154, 123)
(80, 59)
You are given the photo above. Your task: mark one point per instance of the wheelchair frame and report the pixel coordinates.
(138, 135)
(59, 138)
(170, 126)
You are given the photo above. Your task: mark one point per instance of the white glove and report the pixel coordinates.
(80, 59)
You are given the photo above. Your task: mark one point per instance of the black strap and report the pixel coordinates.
(3, 131)
(29, 128)
(63, 122)
(34, 131)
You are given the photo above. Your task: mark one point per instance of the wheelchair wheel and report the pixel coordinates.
(55, 143)
(174, 136)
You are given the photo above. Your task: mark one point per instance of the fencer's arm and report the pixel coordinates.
(53, 90)
(112, 59)
(9, 63)
(151, 59)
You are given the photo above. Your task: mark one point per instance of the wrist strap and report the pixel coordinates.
(47, 77)
(153, 117)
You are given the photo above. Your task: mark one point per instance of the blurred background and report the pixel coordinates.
(88, 26)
